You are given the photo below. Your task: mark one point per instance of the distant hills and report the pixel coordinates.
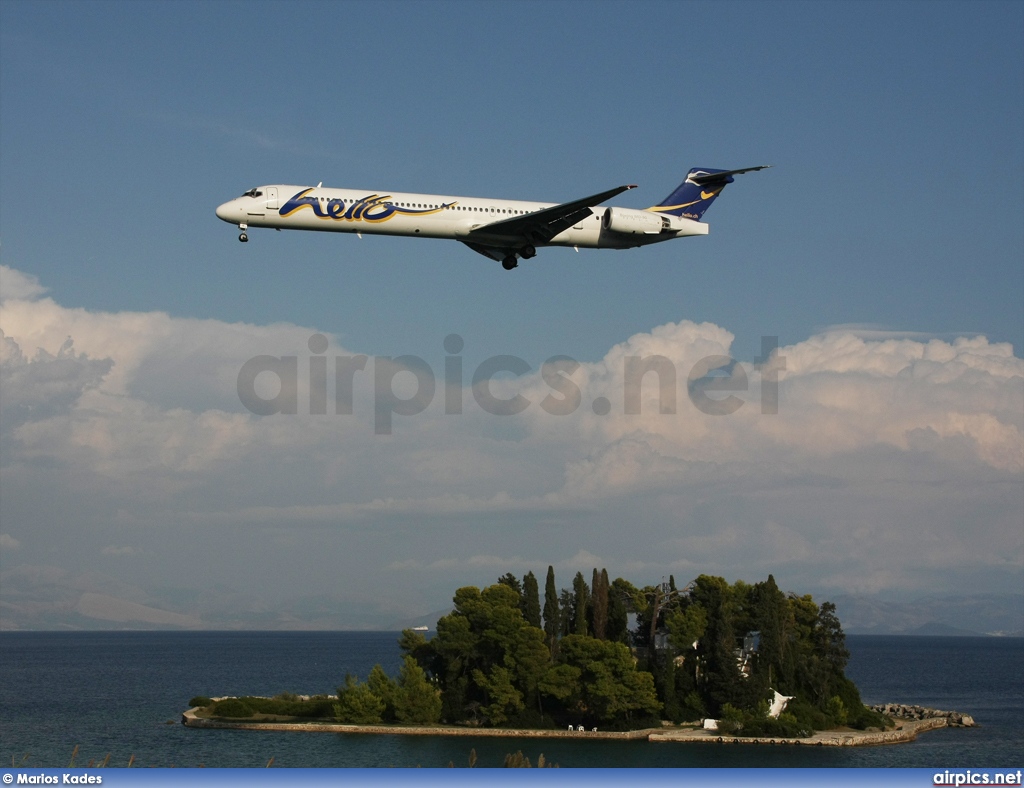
(47, 598)
(969, 614)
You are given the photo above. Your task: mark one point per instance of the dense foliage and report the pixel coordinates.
(710, 649)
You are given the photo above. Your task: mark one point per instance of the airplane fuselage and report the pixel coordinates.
(504, 230)
(426, 216)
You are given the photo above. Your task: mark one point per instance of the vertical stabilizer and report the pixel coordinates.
(694, 195)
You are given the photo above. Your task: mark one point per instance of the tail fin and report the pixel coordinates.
(694, 195)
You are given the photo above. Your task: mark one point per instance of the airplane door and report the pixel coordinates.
(272, 198)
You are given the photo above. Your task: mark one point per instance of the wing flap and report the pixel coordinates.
(543, 225)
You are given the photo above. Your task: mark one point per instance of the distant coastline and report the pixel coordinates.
(906, 730)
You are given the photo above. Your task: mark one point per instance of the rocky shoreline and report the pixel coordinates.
(910, 721)
(901, 711)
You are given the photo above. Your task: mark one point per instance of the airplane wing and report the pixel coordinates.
(538, 227)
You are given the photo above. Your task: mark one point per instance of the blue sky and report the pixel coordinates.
(896, 131)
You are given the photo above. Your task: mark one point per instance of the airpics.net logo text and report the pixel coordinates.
(270, 385)
(968, 777)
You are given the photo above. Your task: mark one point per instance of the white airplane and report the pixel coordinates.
(504, 230)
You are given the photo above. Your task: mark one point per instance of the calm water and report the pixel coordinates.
(123, 693)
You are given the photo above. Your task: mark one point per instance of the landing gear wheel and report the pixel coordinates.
(243, 237)
(527, 252)
(509, 262)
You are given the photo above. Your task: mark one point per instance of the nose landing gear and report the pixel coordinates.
(243, 236)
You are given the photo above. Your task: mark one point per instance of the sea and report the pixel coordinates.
(122, 694)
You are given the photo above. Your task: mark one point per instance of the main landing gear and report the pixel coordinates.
(512, 261)
(242, 236)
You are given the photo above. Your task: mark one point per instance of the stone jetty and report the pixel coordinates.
(910, 721)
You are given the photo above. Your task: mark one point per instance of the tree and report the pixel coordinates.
(659, 599)
(823, 669)
(599, 604)
(504, 699)
(686, 627)
(608, 686)
(530, 660)
(618, 621)
(416, 700)
(417, 646)
(531, 600)
(722, 679)
(830, 638)
(770, 617)
(552, 614)
(510, 580)
(385, 688)
(580, 605)
(565, 603)
(357, 704)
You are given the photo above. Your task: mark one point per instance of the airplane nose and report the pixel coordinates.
(227, 212)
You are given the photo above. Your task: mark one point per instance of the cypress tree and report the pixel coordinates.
(552, 614)
(770, 620)
(531, 600)
(618, 623)
(565, 602)
(599, 604)
(580, 604)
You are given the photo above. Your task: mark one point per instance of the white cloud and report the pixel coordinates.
(18, 286)
(881, 454)
(8, 542)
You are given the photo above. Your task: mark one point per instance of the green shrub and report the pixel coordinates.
(200, 700)
(807, 715)
(232, 707)
(692, 708)
(864, 718)
(785, 727)
(836, 710)
(314, 708)
(731, 720)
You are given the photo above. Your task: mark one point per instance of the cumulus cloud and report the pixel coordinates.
(47, 384)
(881, 454)
(18, 286)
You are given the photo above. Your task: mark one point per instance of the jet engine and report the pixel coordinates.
(631, 222)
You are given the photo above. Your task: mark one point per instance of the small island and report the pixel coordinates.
(708, 662)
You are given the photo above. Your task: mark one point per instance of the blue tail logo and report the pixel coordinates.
(694, 195)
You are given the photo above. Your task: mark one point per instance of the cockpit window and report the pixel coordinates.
(253, 193)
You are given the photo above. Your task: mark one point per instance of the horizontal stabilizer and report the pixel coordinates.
(699, 177)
